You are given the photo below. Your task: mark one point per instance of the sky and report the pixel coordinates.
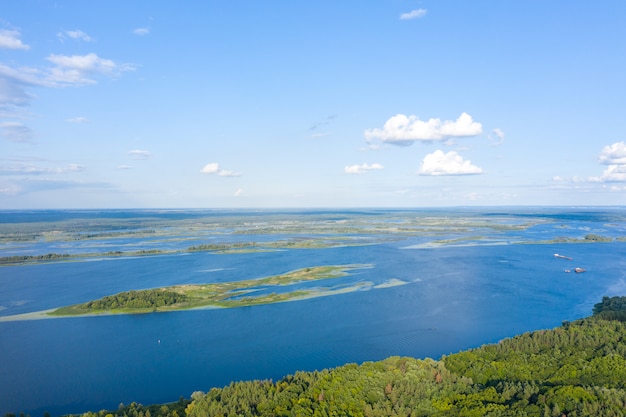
(302, 104)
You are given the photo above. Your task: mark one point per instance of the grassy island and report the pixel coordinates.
(224, 294)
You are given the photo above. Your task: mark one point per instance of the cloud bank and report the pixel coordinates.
(404, 130)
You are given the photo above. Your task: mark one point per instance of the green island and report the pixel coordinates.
(577, 369)
(588, 238)
(224, 294)
(221, 248)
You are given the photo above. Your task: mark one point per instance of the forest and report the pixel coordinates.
(150, 299)
(576, 369)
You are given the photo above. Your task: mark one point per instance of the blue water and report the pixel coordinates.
(455, 298)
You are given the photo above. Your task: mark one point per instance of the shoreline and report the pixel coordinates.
(33, 315)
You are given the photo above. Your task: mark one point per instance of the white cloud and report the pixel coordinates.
(15, 132)
(141, 31)
(615, 157)
(74, 34)
(214, 168)
(413, 14)
(238, 192)
(77, 69)
(499, 137)
(451, 163)
(614, 154)
(124, 167)
(361, 169)
(225, 173)
(68, 71)
(140, 154)
(25, 76)
(10, 39)
(404, 130)
(89, 62)
(78, 119)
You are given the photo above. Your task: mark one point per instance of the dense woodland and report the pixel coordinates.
(150, 299)
(142, 300)
(577, 369)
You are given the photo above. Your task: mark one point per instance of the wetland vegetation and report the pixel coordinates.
(306, 231)
(224, 294)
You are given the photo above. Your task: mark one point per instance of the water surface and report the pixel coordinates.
(455, 297)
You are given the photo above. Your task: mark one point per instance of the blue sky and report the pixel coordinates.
(161, 104)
